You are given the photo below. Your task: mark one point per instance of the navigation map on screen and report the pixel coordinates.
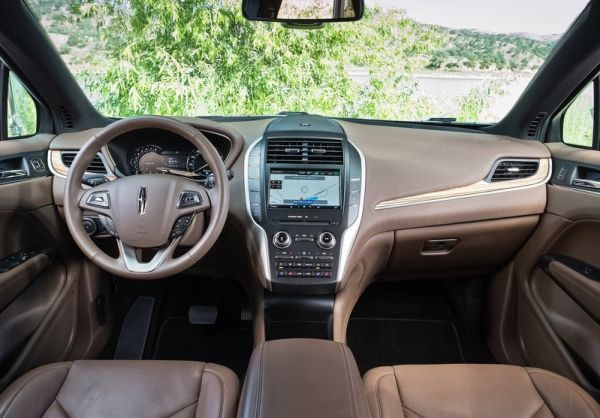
(304, 189)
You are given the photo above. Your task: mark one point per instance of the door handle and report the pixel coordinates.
(9, 174)
(589, 184)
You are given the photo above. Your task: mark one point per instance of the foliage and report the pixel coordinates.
(22, 113)
(578, 123)
(190, 58)
(199, 57)
(470, 50)
(474, 105)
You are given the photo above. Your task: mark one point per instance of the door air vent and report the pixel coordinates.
(305, 151)
(96, 166)
(514, 170)
(535, 124)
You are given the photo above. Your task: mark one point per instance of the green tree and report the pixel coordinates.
(190, 57)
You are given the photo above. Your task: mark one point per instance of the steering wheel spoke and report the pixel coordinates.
(131, 256)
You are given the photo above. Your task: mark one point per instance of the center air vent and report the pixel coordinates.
(514, 170)
(96, 166)
(305, 151)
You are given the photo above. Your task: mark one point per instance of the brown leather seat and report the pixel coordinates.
(474, 391)
(107, 388)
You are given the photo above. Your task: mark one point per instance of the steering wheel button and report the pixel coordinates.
(99, 200)
(188, 199)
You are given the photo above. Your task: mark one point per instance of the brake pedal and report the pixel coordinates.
(246, 314)
(203, 315)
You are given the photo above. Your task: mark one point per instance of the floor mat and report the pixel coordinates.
(228, 346)
(389, 341)
(420, 321)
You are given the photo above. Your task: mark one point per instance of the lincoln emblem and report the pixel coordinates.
(142, 201)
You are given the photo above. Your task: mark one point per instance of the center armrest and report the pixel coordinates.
(303, 378)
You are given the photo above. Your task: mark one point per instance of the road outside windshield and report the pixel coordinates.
(411, 60)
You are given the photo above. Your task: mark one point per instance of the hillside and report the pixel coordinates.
(468, 50)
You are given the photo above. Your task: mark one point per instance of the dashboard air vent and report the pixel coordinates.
(66, 117)
(305, 151)
(96, 166)
(514, 170)
(534, 126)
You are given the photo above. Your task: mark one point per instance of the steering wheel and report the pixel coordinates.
(148, 210)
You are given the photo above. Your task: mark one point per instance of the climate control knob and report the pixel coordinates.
(326, 240)
(282, 239)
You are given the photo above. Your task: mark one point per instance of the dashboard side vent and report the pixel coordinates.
(305, 151)
(534, 125)
(514, 170)
(66, 117)
(96, 166)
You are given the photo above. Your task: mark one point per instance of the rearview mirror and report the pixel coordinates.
(303, 11)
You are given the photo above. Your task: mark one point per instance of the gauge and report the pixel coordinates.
(197, 164)
(146, 159)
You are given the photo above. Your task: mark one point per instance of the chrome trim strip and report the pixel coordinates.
(257, 230)
(130, 259)
(480, 188)
(349, 235)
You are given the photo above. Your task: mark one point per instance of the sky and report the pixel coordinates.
(541, 17)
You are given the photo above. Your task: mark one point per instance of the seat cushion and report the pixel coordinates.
(469, 390)
(114, 388)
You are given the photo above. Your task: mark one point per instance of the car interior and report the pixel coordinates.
(295, 263)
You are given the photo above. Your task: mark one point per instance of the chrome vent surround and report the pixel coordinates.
(96, 166)
(305, 151)
(534, 125)
(507, 170)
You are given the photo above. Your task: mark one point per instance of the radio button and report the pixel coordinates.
(282, 239)
(326, 240)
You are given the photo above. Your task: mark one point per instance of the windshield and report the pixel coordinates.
(411, 60)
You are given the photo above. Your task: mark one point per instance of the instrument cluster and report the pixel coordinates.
(151, 159)
(154, 151)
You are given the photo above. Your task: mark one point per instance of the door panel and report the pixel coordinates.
(15, 280)
(581, 281)
(558, 274)
(47, 291)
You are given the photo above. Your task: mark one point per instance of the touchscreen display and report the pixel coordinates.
(304, 189)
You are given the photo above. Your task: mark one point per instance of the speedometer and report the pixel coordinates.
(146, 159)
(197, 164)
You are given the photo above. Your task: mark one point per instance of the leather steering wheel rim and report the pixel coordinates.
(163, 264)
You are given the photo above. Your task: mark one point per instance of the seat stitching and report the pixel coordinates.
(197, 395)
(18, 392)
(539, 409)
(199, 386)
(400, 396)
(181, 409)
(260, 378)
(349, 384)
(377, 393)
(411, 411)
(563, 380)
(222, 383)
(62, 408)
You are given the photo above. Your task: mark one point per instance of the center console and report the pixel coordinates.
(303, 378)
(304, 192)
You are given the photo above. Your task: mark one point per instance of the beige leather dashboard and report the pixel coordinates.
(415, 178)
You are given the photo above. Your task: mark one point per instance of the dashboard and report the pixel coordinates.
(320, 203)
(155, 151)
